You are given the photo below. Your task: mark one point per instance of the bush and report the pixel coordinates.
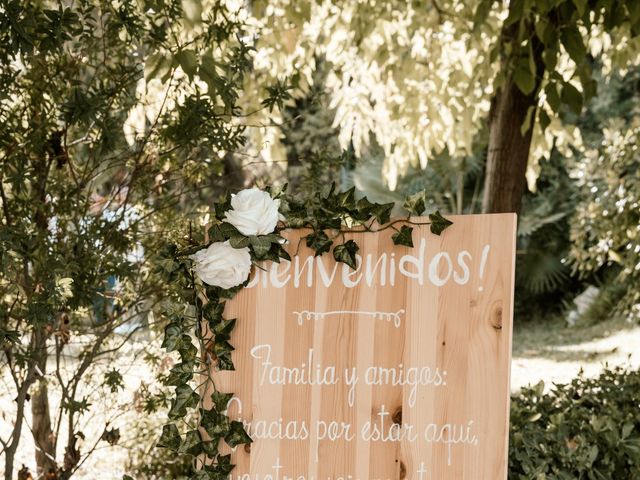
(588, 429)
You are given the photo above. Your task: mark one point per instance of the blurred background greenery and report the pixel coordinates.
(121, 122)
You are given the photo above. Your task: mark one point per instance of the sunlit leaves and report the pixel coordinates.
(188, 60)
(536, 39)
(158, 65)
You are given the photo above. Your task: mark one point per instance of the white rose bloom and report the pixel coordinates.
(221, 265)
(253, 212)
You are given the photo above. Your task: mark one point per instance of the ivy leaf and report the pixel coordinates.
(172, 337)
(261, 245)
(221, 400)
(212, 312)
(382, 212)
(439, 223)
(237, 435)
(228, 230)
(346, 253)
(222, 469)
(219, 232)
(221, 207)
(364, 210)
(170, 437)
(185, 398)
(180, 373)
(239, 241)
(319, 242)
(347, 199)
(192, 443)
(273, 237)
(224, 359)
(403, 237)
(224, 327)
(222, 349)
(415, 203)
(188, 351)
(210, 448)
(215, 234)
(282, 253)
(215, 424)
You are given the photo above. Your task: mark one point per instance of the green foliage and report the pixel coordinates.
(314, 158)
(114, 118)
(606, 225)
(536, 34)
(544, 280)
(113, 380)
(588, 429)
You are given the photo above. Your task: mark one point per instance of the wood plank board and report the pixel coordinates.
(397, 370)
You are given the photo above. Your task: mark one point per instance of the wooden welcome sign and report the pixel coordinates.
(399, 369)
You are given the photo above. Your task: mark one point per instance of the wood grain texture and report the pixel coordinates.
(459, 331)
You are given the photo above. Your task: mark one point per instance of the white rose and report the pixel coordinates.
(221, 265)
(253, 212)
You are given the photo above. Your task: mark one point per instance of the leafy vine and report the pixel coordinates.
(198, 312)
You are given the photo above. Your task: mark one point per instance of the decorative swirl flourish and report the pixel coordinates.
(395, 317)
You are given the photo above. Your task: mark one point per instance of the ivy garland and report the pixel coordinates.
(199, 310)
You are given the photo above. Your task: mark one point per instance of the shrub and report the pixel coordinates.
(588, 429)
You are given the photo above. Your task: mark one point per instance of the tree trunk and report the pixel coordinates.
(21, 400)
(42, 432)
(10, 449)
(41, 416)
(508, 151)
